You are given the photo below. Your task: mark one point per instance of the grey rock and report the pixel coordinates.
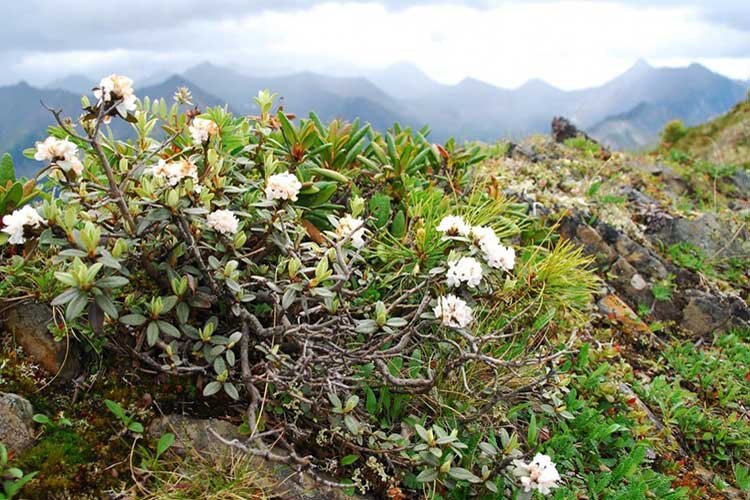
(16, 424)
(741, 180)
(713, 236)
(28, 323)
(705, 313)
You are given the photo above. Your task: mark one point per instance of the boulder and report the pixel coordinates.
(16, 424)
(28, 323)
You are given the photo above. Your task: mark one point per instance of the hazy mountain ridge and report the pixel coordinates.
(626, 113)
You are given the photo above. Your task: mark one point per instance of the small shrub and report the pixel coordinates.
(336, 280)
(673, 132)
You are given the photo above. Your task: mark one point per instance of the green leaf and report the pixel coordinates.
(533, 430)
(65, 278)
(65, 297)
(169, 302)
(422, 432)
(115, 408)
(231, 390)
(136, 427)
(13, 196)
(152, 333)
(349, 459)
(165, 442)
(211, 388)
(41, 418)
(380, 207)
(371, 402)
(427, 476)
(398, 226)
(133, 319)
(462, 474)
(107, 305)
(329, 174)
(7, 172)
(168, 329)
(76, 306)
(112, 282)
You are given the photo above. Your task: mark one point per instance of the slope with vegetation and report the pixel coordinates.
(324, 307)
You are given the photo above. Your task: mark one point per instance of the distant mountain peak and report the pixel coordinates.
(640, 67)
(538, 85)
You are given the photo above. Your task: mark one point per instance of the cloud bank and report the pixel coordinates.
(570, 44)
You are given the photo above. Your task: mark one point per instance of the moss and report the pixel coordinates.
(59, 457)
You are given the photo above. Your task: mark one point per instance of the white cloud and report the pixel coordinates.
(567, 43)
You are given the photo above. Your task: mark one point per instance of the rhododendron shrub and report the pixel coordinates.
(343, 284)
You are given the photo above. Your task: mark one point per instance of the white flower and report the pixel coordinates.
(15, 222)
(499, 256)
(453, 311)
(201, 129)
(351, 226)
(484, 237)
(496, 254)
(284, 186)
(464, 270)
(541, 474)
(175, 171)
(117, 88)
(61, 152)
(454, 225)
(223, 221)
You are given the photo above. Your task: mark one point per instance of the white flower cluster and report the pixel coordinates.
(175, 171)
(15, 222)
(496, 254)
(453, 311)
(201, 129)
(61, 152)
(464, 270)
(116, 88)
(454, 225)
(284, 186)
(223, 221)
(540, 474)
(352, 228)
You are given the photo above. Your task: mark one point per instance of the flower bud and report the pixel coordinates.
(294, 266)
(173, 198)
(239, 239)
(357, 206)
(380, 313)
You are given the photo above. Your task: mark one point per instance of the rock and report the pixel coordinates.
(705, 313)
(28, 323)
(713, 236)
(16, 424)
(631, 269)
(615, 309)
(193, 433)
(563, 129)
(741, 180)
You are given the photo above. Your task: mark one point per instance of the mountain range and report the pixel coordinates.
(625, 113)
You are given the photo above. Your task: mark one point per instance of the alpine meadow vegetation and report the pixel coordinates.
(367, 312)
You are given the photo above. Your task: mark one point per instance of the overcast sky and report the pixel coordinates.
(568, 44)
